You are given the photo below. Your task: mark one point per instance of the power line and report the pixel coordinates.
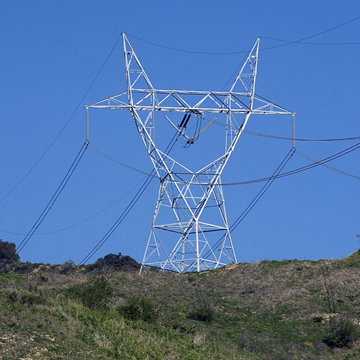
(276, 175)
(317, 162)
(79, 222)
(129, 207)
(300, 139)
(262, 191)
(328, 166)
(56, 195)
(269, 181)
(312, 36)
(220, 123)
(92, 216)
(52, 201)
(313, 43)
(252, 181)
(242, 52)
(66, 123)
(301, 169)
(119, 220)
(103, 153)
(292, 172)
(256, 199)
(185, 51)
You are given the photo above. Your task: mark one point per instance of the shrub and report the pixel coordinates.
(202, 311)
(342, 333)
(114, 262)
(67, 267)
(95, 294)
(8, 251)
(26, 298)
(43, 278)
(139, 308)
(13, 297)
(32, 299)
(318, 318)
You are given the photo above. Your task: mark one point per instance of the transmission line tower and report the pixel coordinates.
(190, 215)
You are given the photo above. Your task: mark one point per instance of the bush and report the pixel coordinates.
(13, 297)
(342, 333)
(113, 262)
(26, 299)
(8, 251)
(32, 299)
(139, 308)
(202, 311)
(95, 294)
(67, 267)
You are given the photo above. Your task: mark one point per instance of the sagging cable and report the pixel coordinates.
(255, 200)
(52, 201)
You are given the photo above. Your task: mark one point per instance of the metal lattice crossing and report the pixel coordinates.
(190, 215)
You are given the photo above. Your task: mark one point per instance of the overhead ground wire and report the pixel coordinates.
(269, 180)
(66, 123)
(313, 43)
(56, 195)
(242, 52)
(314, 35)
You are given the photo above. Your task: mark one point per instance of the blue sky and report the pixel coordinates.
(53, 51)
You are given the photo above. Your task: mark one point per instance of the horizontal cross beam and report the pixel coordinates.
(181, 102)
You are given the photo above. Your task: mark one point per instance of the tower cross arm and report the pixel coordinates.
(190, 211)
(191, 102)
(263, 106)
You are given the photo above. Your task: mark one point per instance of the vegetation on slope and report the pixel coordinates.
(268, 310)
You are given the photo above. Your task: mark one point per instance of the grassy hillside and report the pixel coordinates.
(267, 310)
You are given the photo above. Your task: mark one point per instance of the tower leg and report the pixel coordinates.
(199, 245)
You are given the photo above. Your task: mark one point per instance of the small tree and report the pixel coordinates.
(67, 266)
(96, 293)
(8, 251)
(139, 308)
(115, 262)
(342, 333)
(203, 310)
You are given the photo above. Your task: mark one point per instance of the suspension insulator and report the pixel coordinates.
(182, 121)
(186, 121)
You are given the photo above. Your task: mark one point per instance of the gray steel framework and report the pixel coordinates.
(190, 230)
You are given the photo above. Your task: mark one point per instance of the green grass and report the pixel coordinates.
(268, 310)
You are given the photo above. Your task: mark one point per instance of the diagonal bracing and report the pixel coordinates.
(190, 214)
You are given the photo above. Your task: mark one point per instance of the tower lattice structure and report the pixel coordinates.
(190, 229)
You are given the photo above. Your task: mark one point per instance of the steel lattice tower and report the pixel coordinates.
(190, 230)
